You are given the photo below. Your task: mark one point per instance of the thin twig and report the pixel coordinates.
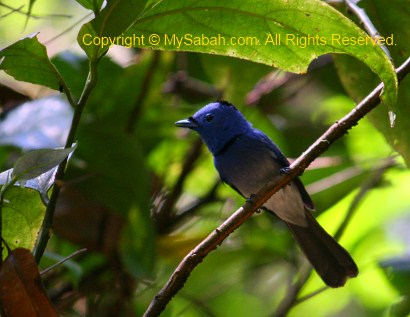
(367, 23)
(67, 29)
(197, 255)
(310, 295)
(12, 11)
(19, 10)
(63, 260)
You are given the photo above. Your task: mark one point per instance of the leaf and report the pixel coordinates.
(37, 162)
(113, 20)
(284, 34)
(93, 5)
(21, 291)
(27, 60)
(116, 164)
(40, 183)
(397, 270)
(22, 216)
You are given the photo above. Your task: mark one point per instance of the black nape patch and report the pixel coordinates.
(226, 103)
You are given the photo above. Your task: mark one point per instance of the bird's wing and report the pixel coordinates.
(278, 156)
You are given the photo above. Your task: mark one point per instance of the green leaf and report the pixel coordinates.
(284, 34)
(93, 5)
(113, 20)
(34, 163)
(22, 215)
(27, 60)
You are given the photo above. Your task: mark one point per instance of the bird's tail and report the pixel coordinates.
(330, 260)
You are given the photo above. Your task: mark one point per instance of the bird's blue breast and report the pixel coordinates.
(247, 164)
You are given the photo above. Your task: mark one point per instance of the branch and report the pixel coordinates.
(197, 255)
(47, 224)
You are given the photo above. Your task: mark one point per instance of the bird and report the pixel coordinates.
(246, 159)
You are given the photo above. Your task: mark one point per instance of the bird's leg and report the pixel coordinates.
(251, 199)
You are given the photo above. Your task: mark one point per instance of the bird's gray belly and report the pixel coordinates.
(249, 172)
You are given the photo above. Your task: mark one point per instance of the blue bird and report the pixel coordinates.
(246, 159)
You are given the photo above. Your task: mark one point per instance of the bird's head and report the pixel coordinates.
(217, 123)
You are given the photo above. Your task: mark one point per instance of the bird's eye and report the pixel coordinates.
(209, 117)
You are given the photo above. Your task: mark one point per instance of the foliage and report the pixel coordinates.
(140, 194)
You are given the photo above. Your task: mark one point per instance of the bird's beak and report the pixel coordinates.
(187, 123)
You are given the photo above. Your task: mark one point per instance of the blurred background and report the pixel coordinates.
(140, 193)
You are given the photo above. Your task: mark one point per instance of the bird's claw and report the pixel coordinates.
(285, 170)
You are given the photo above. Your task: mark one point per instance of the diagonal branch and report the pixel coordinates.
(197, 255)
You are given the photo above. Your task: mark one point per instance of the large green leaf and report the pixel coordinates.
(284, 34)
(27, 60)
(22, 217)
(112, 21)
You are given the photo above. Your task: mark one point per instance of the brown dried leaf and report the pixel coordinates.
(21, 291)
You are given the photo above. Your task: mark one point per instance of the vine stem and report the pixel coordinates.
(215, 238)
(45, 231)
